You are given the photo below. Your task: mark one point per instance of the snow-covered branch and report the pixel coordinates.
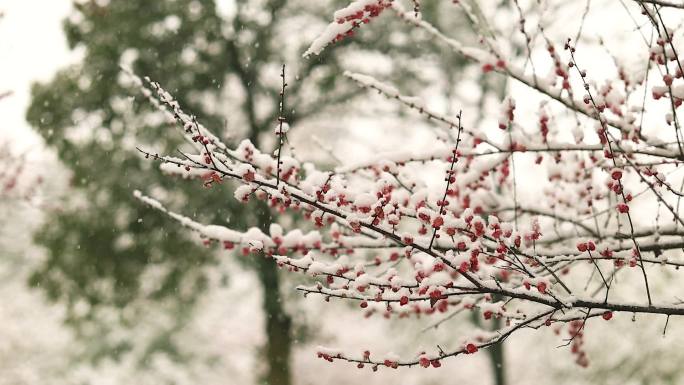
(454, 226)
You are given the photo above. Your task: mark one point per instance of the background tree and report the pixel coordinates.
(103, 248)
(99, 248)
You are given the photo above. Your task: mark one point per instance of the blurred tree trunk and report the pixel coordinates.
(278, 322)
(495, 352)
(496, 356)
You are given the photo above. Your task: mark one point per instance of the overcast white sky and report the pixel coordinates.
(32, 47)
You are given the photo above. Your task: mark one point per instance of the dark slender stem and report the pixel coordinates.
(281, 120)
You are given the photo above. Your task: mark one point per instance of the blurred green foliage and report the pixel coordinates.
(109, 257)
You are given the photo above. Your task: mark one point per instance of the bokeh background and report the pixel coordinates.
(97, 289)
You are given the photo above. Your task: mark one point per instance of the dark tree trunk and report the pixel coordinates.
(494, 352)
(278, 325)
(496, 357)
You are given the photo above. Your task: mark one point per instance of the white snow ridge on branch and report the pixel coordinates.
(345, 21)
